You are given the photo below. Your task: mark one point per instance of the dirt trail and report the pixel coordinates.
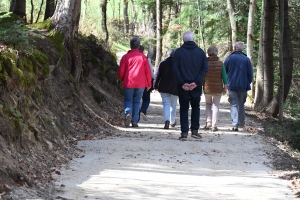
(150, 162)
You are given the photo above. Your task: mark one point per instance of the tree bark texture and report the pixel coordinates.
(259, 84)
(103, 6)
(126, 19)
(230, 9)
(250, 40)
(133, 27)
(288, 63)
(50, 8)
(268, 40)
(40, 11)
(158, 32)
(18, 7)
(65, 20)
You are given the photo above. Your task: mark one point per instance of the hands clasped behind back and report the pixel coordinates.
(189, 87)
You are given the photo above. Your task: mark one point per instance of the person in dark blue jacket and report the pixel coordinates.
(239, 72)
(190, 68)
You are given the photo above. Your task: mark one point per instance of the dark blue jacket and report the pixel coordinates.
(190, 64)
(165, 81)
(239, 71)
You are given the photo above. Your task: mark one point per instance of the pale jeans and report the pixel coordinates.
(212, 108)
(237, 99)
(169, 103)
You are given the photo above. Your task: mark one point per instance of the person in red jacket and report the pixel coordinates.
(135, 74)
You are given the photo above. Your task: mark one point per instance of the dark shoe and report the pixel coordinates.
(183, 137)
(167, 124)
(144, 116)
(127, 120)
(173, 125)
(214, 128)
(208, 125)
(196, 135)
(134, 124)
(235, 128)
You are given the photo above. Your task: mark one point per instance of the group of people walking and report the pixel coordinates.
(183, 75)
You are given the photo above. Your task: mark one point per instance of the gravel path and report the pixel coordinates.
(150, 162)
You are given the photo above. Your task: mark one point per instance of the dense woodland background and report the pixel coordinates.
(269, 28)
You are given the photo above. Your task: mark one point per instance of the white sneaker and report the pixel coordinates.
(127, 120)
(145, 118)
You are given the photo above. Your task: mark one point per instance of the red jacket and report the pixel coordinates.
(134, 70)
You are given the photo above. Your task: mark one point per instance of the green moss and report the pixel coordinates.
(57, 40)
(103, 68)
(98, 97)
(15, 117)
(43, 25)
(9, 18)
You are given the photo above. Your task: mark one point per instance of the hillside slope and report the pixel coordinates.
(41, 121)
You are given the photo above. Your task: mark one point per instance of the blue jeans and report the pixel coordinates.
(185, 99)
(237, 99)
(169, 102)
(132, 99)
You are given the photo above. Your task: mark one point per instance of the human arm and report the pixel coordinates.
(224, 79)
(121, 70)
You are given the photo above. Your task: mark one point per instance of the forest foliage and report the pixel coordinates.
(208, 19)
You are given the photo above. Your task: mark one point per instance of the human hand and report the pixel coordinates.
(192, 86)
(148, 88)
(186, 87)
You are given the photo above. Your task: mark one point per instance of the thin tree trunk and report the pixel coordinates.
(103, 6)
(250, 40)
(126, 19)
(268, 40)
(259, 85)
(230, 8)
(31, 13)
(134, 18)
(273, 107)
(200, 25)
(158, 32)
(37, 19)
(281, 84)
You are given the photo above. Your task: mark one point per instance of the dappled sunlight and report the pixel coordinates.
(158, 182)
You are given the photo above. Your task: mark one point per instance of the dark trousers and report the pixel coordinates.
(185, 99)
(145, 101)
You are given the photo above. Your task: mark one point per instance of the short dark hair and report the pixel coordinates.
(141, 48)
(134, 43)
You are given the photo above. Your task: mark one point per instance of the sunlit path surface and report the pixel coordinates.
(149, 162)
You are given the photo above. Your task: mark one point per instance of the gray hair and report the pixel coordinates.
(171, 52)
(212, 51)
(134, 43)
(188, 36)
(239, 46)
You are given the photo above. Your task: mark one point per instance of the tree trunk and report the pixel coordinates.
(273, 108)
(37, 19)
(66, 21)
(259, 85)
(250, 40)
(133, 27)
(50, 8)
(200, 25)
(268, 40)
(158, 32)
(103, 6)
(126, 19)
(230, 9)
(31, 12)
(18, 7)
(167, 20)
